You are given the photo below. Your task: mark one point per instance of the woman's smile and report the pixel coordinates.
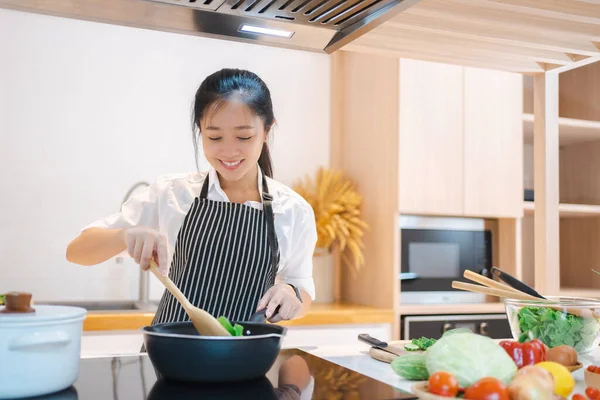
(231, 165)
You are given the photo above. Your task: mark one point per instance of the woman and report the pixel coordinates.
(222, 235)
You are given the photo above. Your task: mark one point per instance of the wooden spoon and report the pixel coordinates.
(205, 324)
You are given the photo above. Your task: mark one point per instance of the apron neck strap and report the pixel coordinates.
(271, 235)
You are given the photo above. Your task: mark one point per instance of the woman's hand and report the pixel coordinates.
(143, 244)
(284, 295)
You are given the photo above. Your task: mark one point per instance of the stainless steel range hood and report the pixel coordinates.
(313, 25)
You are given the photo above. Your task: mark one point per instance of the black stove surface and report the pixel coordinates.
(295, 375)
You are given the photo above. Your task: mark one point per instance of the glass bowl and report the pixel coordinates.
(573, 321)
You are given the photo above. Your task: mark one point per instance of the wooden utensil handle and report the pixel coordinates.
(492, 291)
(475, 277)
(512, 293)
(170, 285)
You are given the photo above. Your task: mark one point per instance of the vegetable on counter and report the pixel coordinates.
(234, 330)
(470, 357)
(564, 383)
(422, 343)
(553, 327)
(1, 299)
(531, 383)
(594, 368)
(523, 354)
(592, 393)
(563, 354)
(475, 367)
(411, 367)
(443, 384)
(487, 388)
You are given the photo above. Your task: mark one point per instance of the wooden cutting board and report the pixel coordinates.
(387, 357)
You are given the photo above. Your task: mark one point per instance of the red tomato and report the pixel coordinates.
(594, 368)
(592, 393)
(578, 397)
(443, 384)
(487, 389)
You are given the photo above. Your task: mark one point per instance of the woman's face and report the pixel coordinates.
(232, 138)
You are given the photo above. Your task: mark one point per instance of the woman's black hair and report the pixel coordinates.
(245, 86)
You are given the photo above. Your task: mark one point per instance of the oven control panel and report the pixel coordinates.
(495, 326)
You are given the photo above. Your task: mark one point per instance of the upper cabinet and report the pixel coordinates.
(460, 141)
(493, 143)
(431, 137)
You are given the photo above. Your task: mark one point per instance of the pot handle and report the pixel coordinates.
(40, 341)
(260, 316)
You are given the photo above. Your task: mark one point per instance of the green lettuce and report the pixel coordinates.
(554, 327)
(470, 357)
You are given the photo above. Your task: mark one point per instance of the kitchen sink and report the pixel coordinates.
(126, 305)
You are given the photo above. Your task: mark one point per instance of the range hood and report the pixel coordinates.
(313, 25)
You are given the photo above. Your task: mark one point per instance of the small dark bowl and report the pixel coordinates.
(179, 353)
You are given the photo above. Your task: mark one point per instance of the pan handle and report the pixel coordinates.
(259, 316)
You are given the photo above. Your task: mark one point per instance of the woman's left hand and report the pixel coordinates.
(282, 295)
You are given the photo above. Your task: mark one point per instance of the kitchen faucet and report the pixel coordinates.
(144, 288)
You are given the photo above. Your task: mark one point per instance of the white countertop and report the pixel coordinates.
(356, 358)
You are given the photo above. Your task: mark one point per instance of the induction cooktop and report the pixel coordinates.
(295, 375)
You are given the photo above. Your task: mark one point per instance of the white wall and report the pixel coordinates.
(88, 109)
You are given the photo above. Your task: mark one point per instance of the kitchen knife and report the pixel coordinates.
(515, 283)
(368, 339)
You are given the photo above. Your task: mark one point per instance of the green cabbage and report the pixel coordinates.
(470, 357)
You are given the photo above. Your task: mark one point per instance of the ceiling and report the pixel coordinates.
(525, 36)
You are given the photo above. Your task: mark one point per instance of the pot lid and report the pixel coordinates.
(19, 309)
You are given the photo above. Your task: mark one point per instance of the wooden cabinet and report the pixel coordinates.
(460, 141)
(431, 138)
(493, 143)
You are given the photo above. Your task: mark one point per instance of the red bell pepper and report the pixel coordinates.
(528, 353)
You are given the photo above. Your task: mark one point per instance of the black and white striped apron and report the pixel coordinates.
(225, 259)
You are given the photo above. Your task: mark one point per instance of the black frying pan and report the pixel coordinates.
(179, 353)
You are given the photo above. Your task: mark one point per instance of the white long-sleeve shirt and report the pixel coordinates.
(164, 205)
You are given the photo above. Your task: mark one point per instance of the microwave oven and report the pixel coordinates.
(436, 251)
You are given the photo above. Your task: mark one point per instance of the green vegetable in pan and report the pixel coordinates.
(234, 330)
(1, 299)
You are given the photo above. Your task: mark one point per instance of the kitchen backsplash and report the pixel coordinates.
(88, 109)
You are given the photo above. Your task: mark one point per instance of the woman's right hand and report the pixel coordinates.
(145, 243)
